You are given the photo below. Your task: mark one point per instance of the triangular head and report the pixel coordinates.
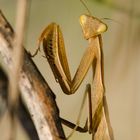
(92, 26)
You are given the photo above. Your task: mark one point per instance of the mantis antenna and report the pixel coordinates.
(112, 20)
(86, 7)
(82, 1)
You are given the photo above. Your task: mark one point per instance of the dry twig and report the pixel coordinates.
(22, 113)
(17, 58)
(35, 92)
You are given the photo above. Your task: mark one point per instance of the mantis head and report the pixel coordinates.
(92, 26)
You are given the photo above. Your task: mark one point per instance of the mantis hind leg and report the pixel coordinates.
(76, 126)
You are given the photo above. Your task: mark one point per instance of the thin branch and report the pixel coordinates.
(22, 113)
(17, 52)
(35, 92)
(17, 57)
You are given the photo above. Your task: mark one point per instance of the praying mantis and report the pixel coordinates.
(53, 45)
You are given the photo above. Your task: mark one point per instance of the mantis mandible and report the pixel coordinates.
(53, 46)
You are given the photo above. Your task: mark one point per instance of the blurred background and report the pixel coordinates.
(121, 46)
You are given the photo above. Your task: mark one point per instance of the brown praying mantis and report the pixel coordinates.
(53, 45)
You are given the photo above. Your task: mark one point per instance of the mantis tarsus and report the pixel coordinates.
(53, 45)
